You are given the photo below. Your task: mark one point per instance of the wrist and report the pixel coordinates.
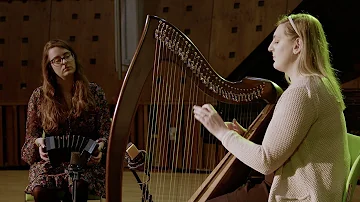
(221, 133)
(36, 142)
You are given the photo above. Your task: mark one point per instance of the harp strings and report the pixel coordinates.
(176, 142)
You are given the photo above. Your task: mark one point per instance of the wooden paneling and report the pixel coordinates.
(89, 28)
(12, 146)
(26, 26)
(193, 16)
(1, 137)
(21, 52)
(292, 4)
(12, 135)
(353, 84)
(239, 27)
(22, 110)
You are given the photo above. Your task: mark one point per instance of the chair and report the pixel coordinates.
(354, 149)
(29, 197)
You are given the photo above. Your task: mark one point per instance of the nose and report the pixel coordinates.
(63, 61)
(270, 48)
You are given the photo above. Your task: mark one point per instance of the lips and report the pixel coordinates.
(66, 68)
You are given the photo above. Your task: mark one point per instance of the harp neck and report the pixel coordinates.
(171, 39)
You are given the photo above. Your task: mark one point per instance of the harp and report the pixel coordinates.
(168, 75)
(59, 148)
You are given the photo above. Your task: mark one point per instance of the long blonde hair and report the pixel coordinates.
(314, 57)
(53, 108)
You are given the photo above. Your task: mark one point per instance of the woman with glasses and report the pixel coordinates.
(305, 144)
(65, 104)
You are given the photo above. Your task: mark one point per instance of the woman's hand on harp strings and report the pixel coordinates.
(235, 126)
(40, 142)
(211, 120)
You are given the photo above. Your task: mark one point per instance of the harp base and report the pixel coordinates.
(146, 196)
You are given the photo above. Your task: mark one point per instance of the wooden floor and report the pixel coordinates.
(12, 184)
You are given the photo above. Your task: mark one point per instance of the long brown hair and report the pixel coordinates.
(53, 107)
(315, 57)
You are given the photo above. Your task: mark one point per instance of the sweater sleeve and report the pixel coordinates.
(293, 116)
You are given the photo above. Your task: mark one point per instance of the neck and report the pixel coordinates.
(293, 71)
(65, 85)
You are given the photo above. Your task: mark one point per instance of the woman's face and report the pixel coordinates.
(281, 48)
(62, 62)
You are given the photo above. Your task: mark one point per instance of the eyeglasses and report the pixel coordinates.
(57, 61)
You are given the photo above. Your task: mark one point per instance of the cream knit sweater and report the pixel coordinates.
(305, 145)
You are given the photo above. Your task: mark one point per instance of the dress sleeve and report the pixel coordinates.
(294, 115)
(103, 116)
(29, 151)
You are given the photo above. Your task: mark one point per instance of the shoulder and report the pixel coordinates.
(302, 95)
(306, 88)
(296, 94)
(35, 98)
(95, 88)
(37, 93)
(97, 91)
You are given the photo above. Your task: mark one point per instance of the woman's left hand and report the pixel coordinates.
(94, 159)
(211, 120)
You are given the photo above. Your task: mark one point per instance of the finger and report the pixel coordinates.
(197, 109)
(43, 154)
(101, 146)
(199, 117)
(45, 157)
(97, 157)
(202, 112)
(230, 125)
(237, 124)
(199, 113)
(209, 109)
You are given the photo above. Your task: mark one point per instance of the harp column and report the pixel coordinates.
(129, 20)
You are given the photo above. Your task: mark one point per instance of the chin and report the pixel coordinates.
(279, 68)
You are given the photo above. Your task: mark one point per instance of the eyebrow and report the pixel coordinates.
(60, 55)
(275, 36)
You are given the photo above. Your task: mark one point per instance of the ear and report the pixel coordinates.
(298, 45)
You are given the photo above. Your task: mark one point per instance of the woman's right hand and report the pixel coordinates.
(40, 142)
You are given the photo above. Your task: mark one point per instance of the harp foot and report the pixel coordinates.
(146, 196)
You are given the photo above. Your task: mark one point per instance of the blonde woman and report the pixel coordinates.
(305, 144)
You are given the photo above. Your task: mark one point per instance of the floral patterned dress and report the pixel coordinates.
(94, 124)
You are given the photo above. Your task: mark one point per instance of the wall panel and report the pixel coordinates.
(193, 18)
(8, 93)
(89, 28)
(21, 52)
(238, 28)
(292, 4)
(1, 137)
(25, 27)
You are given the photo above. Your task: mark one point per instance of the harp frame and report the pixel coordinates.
(128, 99)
